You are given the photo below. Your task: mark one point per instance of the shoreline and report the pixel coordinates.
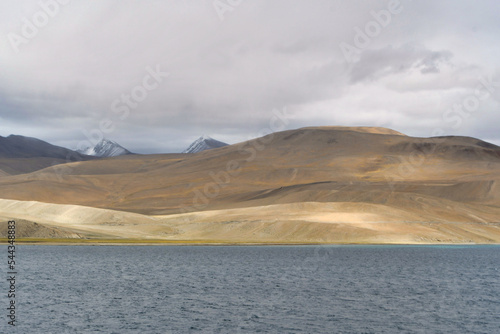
(162, 242)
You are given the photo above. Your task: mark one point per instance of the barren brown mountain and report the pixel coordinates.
(322, 184)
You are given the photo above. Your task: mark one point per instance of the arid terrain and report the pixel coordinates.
(311, 185)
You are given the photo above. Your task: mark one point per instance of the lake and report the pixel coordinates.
(256, 289)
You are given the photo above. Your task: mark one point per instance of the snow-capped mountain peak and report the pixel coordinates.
(204, 143)
(105, 148)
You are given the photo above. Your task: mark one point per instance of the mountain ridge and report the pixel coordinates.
(104, 149)
(16, 146)
(204, 143)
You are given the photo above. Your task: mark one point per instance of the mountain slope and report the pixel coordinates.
(204, 143)
(15, 146)
(314, 181)
(19, 155)
(319, 164)
(105, 148)
(283, 223)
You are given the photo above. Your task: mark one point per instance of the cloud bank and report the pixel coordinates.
(72, 69)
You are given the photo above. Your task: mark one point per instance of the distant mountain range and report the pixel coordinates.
(309, 185)
(204, 143)
(105, 148)
(15, 146)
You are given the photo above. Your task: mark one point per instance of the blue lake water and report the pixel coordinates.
(276, 289)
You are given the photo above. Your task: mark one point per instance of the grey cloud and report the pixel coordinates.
(226, 77)
(433, 60)
(378, 63)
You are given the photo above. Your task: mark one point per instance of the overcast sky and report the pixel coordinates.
(155, 75)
